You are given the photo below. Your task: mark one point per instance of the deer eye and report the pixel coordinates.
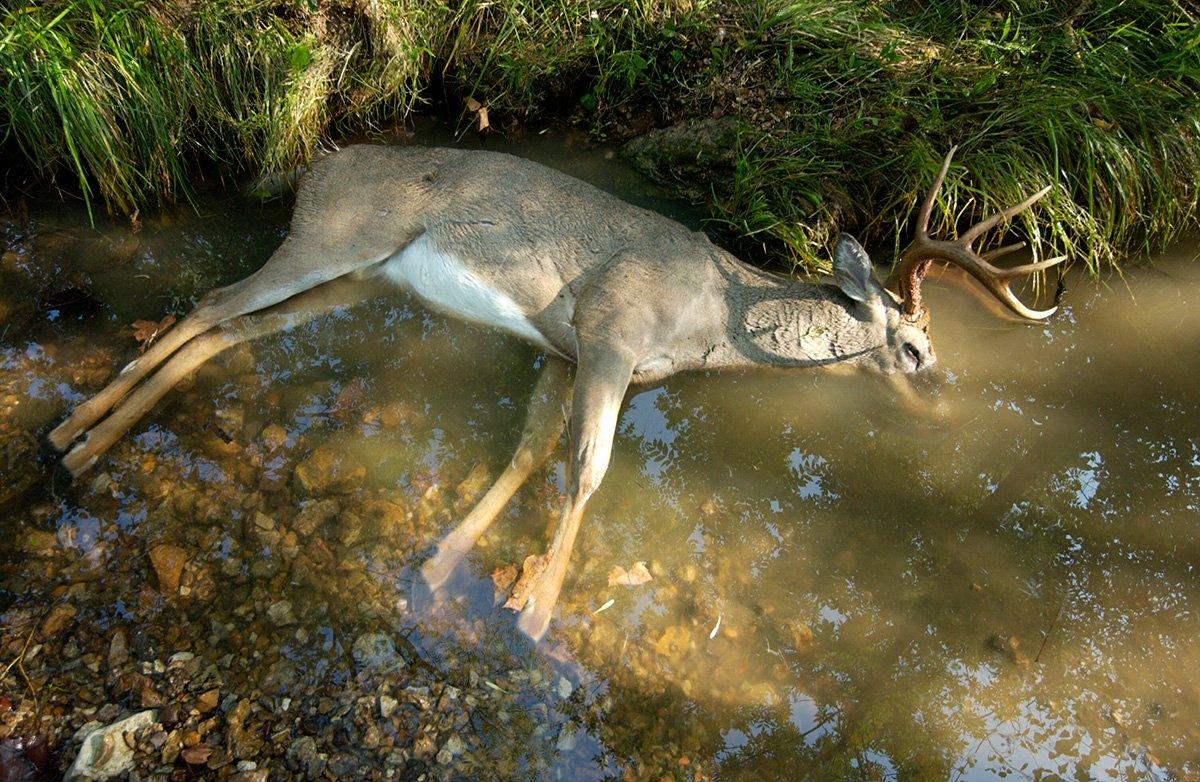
(912, 351)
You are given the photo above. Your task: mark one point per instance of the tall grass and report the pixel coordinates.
(1101, 99)
(846, 106)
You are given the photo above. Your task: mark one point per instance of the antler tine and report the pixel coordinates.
(1029, 268)
(931, 196)
(974, 231)
(923, 250)
(992, 255)
(998, 286)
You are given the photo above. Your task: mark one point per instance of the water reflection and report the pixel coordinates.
(838, 592)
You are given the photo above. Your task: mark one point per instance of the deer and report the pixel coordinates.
(614, 295)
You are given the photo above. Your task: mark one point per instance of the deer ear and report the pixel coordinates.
(852, 270)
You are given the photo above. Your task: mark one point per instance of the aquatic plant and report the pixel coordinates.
(845, 107)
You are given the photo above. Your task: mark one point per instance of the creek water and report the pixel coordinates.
(838, 590)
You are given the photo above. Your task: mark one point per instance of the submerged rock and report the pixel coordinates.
(375, 652)
(168, 562)
(105, 753)
(690, 154)
(313, 515)
(329, 470)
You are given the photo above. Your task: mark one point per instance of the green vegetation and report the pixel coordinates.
(845, 107)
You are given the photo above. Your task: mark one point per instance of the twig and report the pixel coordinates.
(20, 655)
(1050, 629)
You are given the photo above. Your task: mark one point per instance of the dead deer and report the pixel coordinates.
(626, 295)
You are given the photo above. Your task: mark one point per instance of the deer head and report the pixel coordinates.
(902, 315)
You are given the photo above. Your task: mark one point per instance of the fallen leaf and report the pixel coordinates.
(483, 119)
(607, 605)
(716, 627)
(503, 578)
(146, 331)
(473, 105)
(531, 569)
(197, 755)
(635, 576)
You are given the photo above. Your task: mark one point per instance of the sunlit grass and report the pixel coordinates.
(846, 107)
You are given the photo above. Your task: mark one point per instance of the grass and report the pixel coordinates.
(846, 107)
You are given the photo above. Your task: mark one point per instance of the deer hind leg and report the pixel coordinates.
(200, 349)
(544, 423)
(291, 270)
(600, 385)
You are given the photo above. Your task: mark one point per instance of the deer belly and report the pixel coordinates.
(445, 284)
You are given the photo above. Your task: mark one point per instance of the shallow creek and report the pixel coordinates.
(837, 591)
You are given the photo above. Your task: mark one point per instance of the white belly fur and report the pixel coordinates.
(446, 285)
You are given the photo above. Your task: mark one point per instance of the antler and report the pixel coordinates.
(915, 260)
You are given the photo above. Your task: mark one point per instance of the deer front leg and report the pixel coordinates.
(600, 384)
(544, 423)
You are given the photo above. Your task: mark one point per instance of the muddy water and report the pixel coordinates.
(838, 591)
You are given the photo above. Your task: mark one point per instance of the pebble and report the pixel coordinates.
(329, 470)
(281, 613)
(105, 753)
(375, 652)
(168, 562)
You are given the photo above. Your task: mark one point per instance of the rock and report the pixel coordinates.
(118, 649)
(86, 728)
(375, 652)
(454, 745)
(105, 753)
(387, 706)
(801, 636)
(39, 543)
(244, 741)
(274, 437)
(168, 562)
(674, 642)
(302, 755)
(10, 262)
(207, 701)
(281, 613)
(58, 618)
(313, 515)
(253, 775)
(473, 485)
(329, 470)
(19, 463)
(424, 747)
(691, 154)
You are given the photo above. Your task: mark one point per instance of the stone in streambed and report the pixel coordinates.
(105, 753)
(168, 562)
(329, 470)
(375, 652)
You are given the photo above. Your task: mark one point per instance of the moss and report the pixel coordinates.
(845, 107)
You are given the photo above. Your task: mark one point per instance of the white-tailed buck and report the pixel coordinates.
(626, 295)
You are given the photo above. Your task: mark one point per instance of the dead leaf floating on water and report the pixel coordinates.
(635, 576)
(503, 579)
(146, 331)
(716, 627)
